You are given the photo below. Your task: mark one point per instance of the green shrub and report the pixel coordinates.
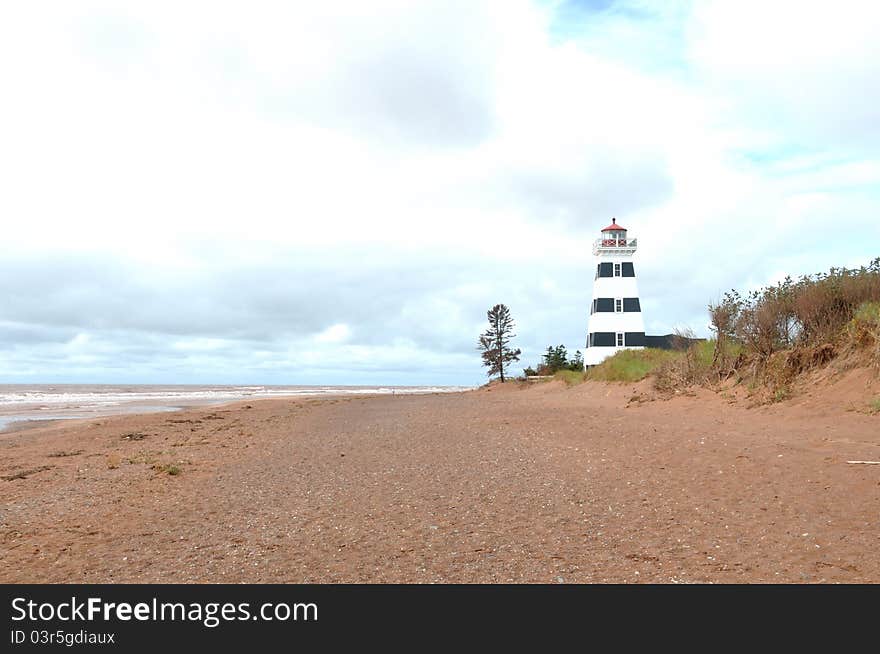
(556, 358)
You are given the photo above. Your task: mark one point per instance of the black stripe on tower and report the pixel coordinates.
(609, 339)
(606, 269)
(606, 305)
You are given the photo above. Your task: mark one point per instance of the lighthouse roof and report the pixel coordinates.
(613, 227)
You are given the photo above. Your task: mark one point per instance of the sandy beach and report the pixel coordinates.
(543, 484)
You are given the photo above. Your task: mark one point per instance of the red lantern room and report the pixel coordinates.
(614, 235)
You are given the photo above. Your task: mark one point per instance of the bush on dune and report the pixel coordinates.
(809, 312)
(779, 332)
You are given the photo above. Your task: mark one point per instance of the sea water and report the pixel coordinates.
(20, 402)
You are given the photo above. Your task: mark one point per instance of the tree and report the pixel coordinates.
(555, 359)
(495, 342)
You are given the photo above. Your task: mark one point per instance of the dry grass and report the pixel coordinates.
(64, 453)
(23, 474)
(169, 468)
(863, 331)
(688, 368)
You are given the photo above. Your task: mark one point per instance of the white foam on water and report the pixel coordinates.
(19, 402)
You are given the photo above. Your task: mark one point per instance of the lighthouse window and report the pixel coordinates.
(631, 304)
(619, 339)
(605, 269)
(617, 270)
(618, 305)
(628, 270)
(604, 304)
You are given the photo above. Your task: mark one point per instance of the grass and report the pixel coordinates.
(168, 468)
(63, 453)
(781, 394)
(171, 468)
(625, 366)
(23, 474)
(631, 365)
(704, 351)
(864, 330)
(868, 312)
(874, 405)
(570, 377)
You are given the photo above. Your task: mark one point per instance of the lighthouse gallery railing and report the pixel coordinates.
(619, 246)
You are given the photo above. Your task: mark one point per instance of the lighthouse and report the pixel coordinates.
(615, 314)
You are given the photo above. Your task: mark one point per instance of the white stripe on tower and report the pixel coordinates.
(615, 321)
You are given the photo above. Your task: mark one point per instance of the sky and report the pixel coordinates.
(336, 192)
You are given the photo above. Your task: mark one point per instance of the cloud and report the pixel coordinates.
(338, 333)
(800, 71)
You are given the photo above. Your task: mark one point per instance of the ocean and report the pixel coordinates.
(41, 402)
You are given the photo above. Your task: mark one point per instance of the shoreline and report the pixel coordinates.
(544, 484)
(13, 422)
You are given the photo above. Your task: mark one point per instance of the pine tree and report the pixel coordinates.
(495, 342)
(555, 359)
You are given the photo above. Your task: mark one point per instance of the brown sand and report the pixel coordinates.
(546, 484)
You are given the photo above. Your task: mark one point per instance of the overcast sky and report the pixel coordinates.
(336, 192)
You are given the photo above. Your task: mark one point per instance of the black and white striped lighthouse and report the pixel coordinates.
(615, 315)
